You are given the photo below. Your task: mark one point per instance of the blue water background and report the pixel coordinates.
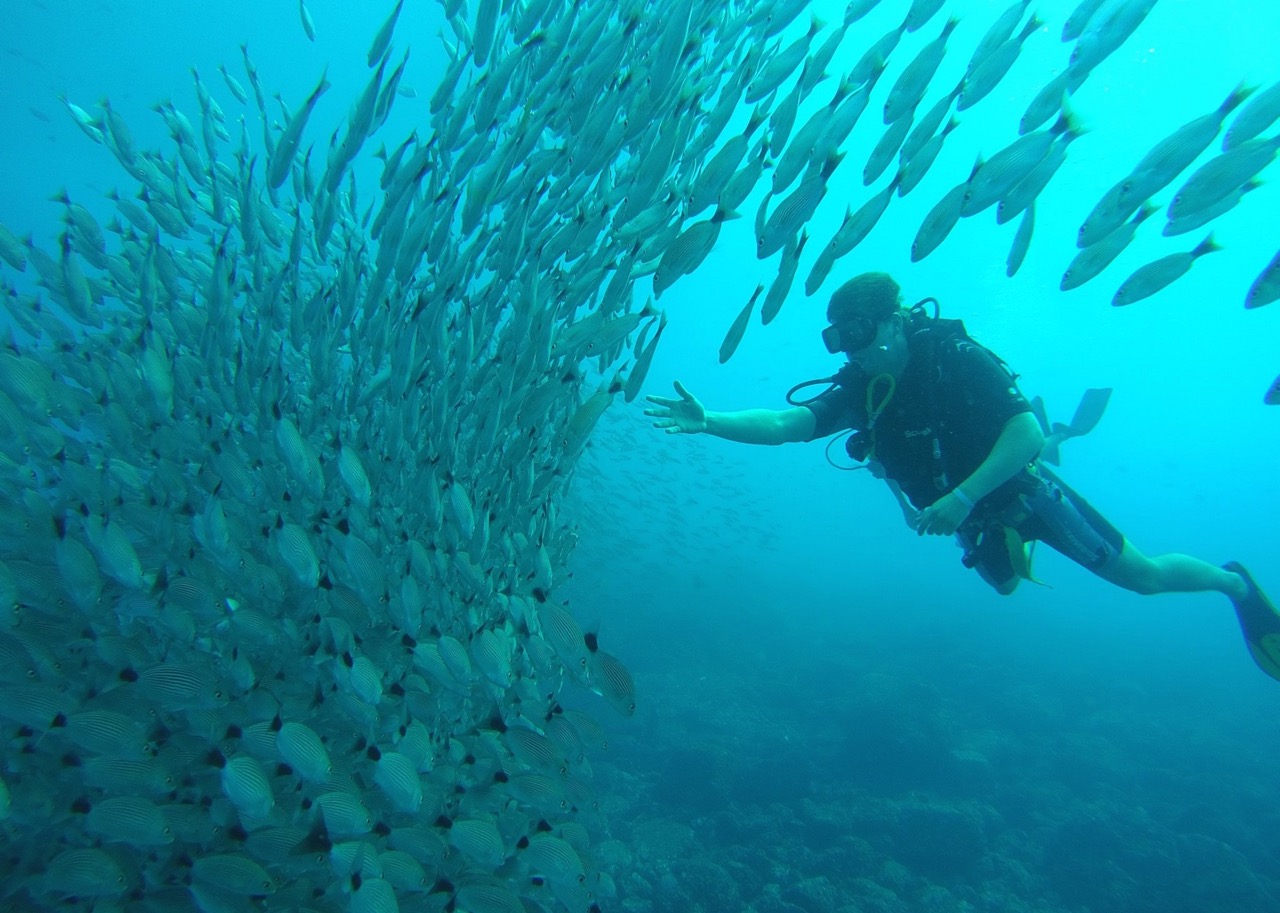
(801, 657)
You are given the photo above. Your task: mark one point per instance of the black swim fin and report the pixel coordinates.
(1092, 405)
(1259, 622)
(1038, 410)
(1049, 452)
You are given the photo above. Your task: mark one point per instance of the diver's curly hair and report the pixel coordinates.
(873, 295)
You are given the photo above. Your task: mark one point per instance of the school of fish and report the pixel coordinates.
(283, 475)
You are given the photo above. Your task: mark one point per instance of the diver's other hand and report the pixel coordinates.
(678, 416)
(943, 517)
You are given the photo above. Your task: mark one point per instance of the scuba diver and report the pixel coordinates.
(942, 420)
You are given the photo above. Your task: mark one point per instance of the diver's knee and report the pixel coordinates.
(1145, 585)
(1141, 576)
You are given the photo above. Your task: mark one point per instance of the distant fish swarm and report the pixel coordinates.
(282, 474)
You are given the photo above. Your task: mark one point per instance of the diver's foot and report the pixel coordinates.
(1259, 621)
(1237, 586)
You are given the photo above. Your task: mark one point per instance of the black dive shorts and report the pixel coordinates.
(1048, 510)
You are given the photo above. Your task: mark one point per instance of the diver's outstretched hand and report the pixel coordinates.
(678, 416)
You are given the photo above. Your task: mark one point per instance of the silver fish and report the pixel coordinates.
(856, 9)
(1202, 217)
(1107, 215)
(301, 748)
(914, 168)
(1010, 166)
(920, 12)
(129, 819)
(781, 286)
(1078, 19)
(1149, 279)
(478, 840)
(781, 65)
(1104, 35)
(246, 785)
(1223, 174)
(1170, 156)
(926, 127)
(1266, 288)
(635, 381)
(1021, 240)
(84, 873)
(1025, 192)
(1097, 256)
(1047, 102)
(344, 814)
(999, 32)
(308, 25)
(939, 221)
(885, 149)
(382, 40)
(1260, 113)
(397, 777)
(688, 250)
(794, 211)
(914, 79)
(978, 84)
(297, 553)
(234, 874)
(739, 327)
(286, 148)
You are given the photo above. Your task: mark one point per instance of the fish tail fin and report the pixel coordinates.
(977, 166)
(1207, 246)
(160, 583)
(1068, 121)
(833, 161)
(1238, 95)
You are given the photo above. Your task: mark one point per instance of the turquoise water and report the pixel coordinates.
(832, 712)
(878, 726)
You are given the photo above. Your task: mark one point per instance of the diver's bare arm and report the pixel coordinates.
(762, 426)
(1018, 444)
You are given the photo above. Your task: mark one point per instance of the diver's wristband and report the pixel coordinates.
(962, 498)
